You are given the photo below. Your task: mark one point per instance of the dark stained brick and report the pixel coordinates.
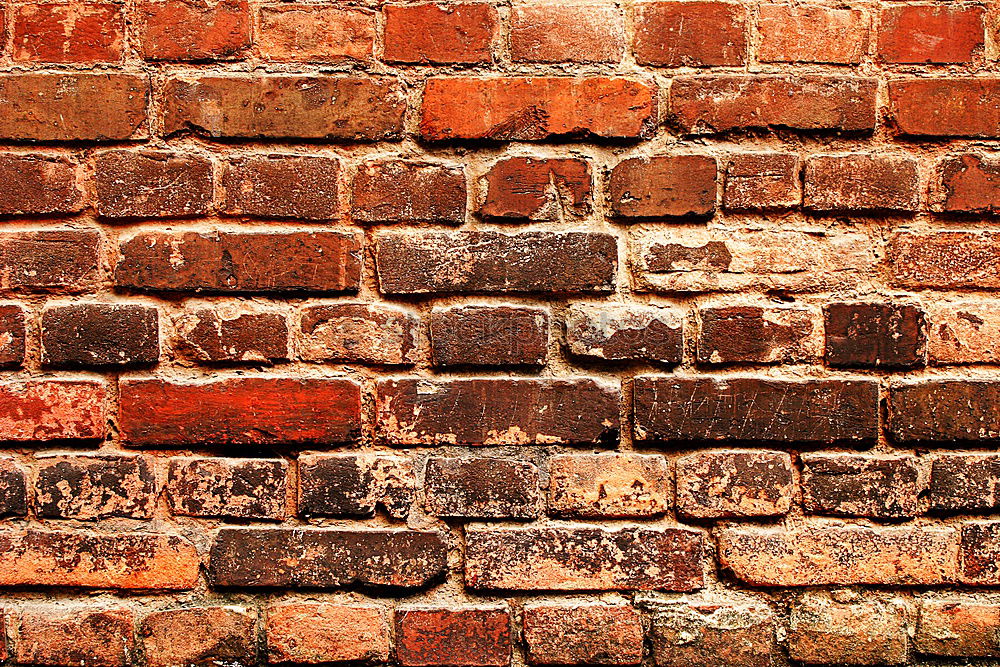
(875, 335)
(965, 483)
(944, 410)
(883, 487)
(100, 334)
(355, 485)
(481, 488)
(95, 487)
(231, 488)
(467, 636)
(727, 485)
(489, 336)
(13, 489)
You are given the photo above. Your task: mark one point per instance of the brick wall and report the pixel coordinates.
(471, 334)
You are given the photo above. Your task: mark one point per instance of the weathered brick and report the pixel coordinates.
(943, 107)
(355, 484)
(94, 487)
(625, 332)
(151, 184)
(200, 636)
(861, 182)
(980, 553)
(489, 336)
(709, 104)
(232, 334)
(583, 635)
(930, 34)
(52, 410)
(812, 34)
(945, 259)
(234, 262)
(713, 631)
(587, 33)
(359, 333)
(840, 555)
(132, 560)
(944, 410)
(888, 335)
(496, 411)
(64, 259)
(33, 183)
(229, 488)
(608, 485)
(318, 632)
(698, 34)
(79, 106)
(276, 106)
(438, 637)
(584, 558)
(403, 191)
(433, 34)
(524, 188)
(320, 558)
(535, 108)
(863, 632)
(758, 335)
(13, 491)
(958, 626)
(663, 186)
(239, 411)
(755, 410)
(963, 332)
(969, 182)
(63, 636)
(12, 335)
(884, 487)
(281, 185)
(100, 334)
(963, 483)
(494, 262)
(303, 33)
(762, 181)
(71, 32)
(481, 488)
(734, 485)
(189, 30)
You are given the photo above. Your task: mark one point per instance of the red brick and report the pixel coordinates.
(320, 558)
(200, 636)
(304, 33)
(44, 410)
(281, 185)
(930, 34)
(229, 488)
(958, 626)
(481, 488)
(862, 632)
(861, 182)
(663, 186)
(625, 332)
(132, 560)
(536, 108)
(355, 485)
(82, 106)
(94, 487)
(317, 632)
(151, 184)
(965, 483)
(608, 485)
(963, 332)
(945, 259)
(239, 411)
(468, 636)
(494, 262)
(750, 409)
(870, 335)
(709, 104)
(588, 33)
(53, 259)
(734, 485)
(12, 335)
(761, 181)
(812, 34)
(232, 334)
(277, 106)
(496, 411)
(583, 558)
(883, 487)
(489, 336)
(100, 335)
(946, 107)
(980, 553)
(536, 189)
(13, 495)
(583, 635)
(77, 32)
(714, 631)
(969, 182)
(193, 29)
(398, 191)
(359, 333)
(758, 335)
(840, 555)
(944, 410)
(235, 262)
(70, 636)
(698, 34)
(432, 34)
(32, 183)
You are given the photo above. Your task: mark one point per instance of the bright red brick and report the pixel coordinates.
(931, 34)
(435, 34)
(969, 182)
(310, 33)
(699, 34)
(577, 33)
(188, 30)
(72, 32)
(946, 107)
(468, 636)
(812, 34)
(536, 189)
(43, 410)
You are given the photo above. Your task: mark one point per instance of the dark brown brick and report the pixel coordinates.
(944, 410)
(281, 185)
(762, 181)
(618, 484)
(962, 483)
(758, 335)
(61, 636)
(625, 332)
(232, 335)
(12, 335)
(52, 259)
(969, 183)
(733, 485)
(496, 411)
(100, 334)
(406, 192)
(95, 487)
(468, 636)
(663, 186)
(883, 487)
(864, 632)
(481, 488)
(152, 184)
(37, 184)
(319, 558)
(359, 333)
(958, 626)
(714, 631)
(489, 336)
(229, 488)
(559, 634)
(861, 182)
(755, 410)
(524, 188)
(355, 485)
(980, 553)
(13, 491)
(200, 636)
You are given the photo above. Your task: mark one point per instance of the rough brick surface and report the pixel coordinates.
(59, 636)
(608, 485)
(713, 630)
(95, 487)
(583, 635)
(152, 184)
(725, 485)
(231, 488)
(317, 632)
(199, 635)
(476, 637)
(866, 632)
